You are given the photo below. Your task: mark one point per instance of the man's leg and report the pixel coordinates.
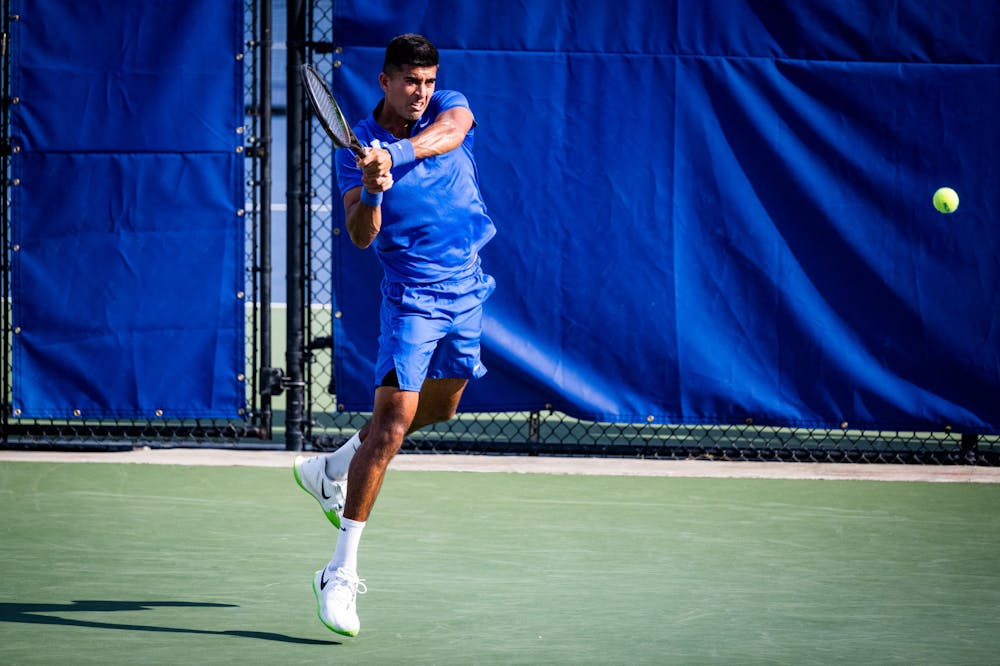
(380, 439)
(394, 413)
(337, 585)
(439, 400)
(325, 476)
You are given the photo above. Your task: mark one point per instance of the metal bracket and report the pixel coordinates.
(274, 382)
(323, 343)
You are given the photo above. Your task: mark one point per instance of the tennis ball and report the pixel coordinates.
(946, 200)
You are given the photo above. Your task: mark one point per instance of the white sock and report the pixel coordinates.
(346, 555)
(338, 462)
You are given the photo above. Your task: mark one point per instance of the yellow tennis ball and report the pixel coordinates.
(946, 200)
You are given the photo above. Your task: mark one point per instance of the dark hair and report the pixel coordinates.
(409, 49)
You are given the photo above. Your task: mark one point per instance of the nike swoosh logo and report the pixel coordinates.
(322, 580)
(322, 489)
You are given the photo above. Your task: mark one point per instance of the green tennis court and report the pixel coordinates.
(151, 564)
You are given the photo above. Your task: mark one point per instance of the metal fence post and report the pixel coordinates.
(264, 202)
(970, 448)
(295, 196)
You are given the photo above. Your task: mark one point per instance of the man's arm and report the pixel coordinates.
(445, 134)
(363, 221)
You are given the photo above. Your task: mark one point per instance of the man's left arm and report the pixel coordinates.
(445, 134)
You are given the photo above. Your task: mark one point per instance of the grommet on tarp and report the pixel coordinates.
(650, 418)
(843, 425)
(159, 412)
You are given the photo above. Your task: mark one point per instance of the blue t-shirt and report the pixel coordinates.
(434, 220)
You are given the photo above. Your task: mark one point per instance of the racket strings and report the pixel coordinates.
(328, 111)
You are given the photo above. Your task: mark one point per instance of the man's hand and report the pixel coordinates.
(375, 170)
(377, 184)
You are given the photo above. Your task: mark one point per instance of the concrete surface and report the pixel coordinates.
(541, 465)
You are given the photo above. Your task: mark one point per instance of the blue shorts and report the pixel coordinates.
(432, 330)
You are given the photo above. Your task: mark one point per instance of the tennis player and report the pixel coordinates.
(415, 197)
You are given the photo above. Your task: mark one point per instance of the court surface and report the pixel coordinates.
(210, 563)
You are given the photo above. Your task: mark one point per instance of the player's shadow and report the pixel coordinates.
(38, 614)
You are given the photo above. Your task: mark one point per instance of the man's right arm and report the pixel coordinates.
(363, 207)
(363, 221)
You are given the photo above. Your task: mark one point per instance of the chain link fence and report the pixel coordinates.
(255, 424)
(324, 424)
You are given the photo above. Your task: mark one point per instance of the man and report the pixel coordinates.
(415, 197)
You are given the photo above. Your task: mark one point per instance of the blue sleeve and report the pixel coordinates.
(348, 173)
(442, 100)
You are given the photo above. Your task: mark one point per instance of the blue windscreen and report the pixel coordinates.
(127, 230)
(711, 211)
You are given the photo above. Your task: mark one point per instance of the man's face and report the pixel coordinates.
(408, 90)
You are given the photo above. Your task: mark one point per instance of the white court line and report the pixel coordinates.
(542, 465)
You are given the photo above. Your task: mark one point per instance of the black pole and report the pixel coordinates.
(294, 358)
(970, 448)
(265, 208)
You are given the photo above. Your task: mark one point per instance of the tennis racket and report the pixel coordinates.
(329, 114)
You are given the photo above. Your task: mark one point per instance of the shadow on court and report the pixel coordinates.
(32, 614)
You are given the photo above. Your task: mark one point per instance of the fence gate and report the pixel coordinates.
(159, 334)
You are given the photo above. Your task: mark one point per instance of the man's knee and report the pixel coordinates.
(384, 441)
(389, 431)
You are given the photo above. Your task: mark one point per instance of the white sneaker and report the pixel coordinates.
(337, 594)
(310, 474)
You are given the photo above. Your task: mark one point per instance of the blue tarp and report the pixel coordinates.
(713, 210)
(128, 268)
